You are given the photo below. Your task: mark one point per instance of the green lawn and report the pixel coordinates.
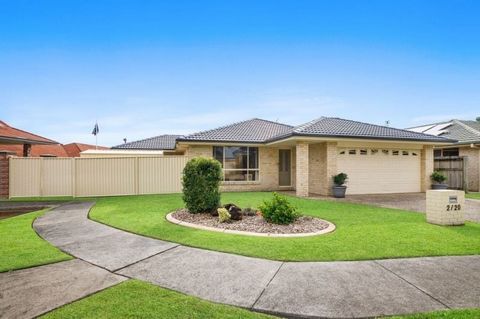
(21, 247)
(363, 232)
(136, 299)
(473, 195)
(446, 314)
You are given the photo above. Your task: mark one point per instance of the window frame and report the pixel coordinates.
(248, 169)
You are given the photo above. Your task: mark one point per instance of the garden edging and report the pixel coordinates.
(331, 227)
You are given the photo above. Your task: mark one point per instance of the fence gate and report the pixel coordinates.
(454, 168)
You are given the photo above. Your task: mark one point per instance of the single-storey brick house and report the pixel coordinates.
(262, 155)
(467, 134)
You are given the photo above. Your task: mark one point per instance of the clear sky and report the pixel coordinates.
(144, 68)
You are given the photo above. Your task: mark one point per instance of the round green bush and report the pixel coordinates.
(279, 210)
(201, 183)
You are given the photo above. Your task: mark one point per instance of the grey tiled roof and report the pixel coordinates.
(337, 127)
(162, 142)
(460, 130)
(249, 131)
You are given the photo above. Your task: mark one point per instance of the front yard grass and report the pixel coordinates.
(21, 247)
(472, 195)
(363, 232)
(137, 299)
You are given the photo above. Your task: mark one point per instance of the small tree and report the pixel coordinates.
(201, 182)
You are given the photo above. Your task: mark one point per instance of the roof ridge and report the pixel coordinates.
(467, 127)
(384, 126)
(235, 123)
(149, 138)
(307, 124)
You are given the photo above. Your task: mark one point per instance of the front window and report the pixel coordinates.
(239, 163)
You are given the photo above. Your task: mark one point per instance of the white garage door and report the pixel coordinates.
(377, 171)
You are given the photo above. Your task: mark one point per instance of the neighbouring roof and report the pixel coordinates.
(161, 142)
(122, 152)
(249, 131)
(74, 149)
(261, 131)
(11, 135)
(465, 132)
(49, 150)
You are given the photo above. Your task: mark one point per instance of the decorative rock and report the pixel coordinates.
(235, 212)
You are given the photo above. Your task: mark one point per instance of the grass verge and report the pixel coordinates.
(21, 247)
(137, 299)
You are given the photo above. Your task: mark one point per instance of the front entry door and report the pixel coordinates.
(284, 168)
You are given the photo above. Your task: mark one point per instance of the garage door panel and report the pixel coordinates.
(380, 174)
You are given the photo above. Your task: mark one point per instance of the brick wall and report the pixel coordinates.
(268, 165)
(302, 171)
(441, 211)
(3, 175)
(473, 167)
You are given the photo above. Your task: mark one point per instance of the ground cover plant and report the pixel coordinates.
(362, 231)
(21, 247)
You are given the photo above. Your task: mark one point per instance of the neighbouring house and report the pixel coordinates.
(120, 153)
(466, 149)
(25, 144)
(165, 143)
(74, 149)
(258, 155)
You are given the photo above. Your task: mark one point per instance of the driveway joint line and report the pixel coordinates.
(266, 286)
(143, 259)
(408, 282)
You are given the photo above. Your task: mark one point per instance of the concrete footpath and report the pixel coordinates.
(294, 289)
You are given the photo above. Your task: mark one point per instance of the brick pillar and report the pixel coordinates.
(426, 167)
(302, 169)
(4, 175)
(331, 163)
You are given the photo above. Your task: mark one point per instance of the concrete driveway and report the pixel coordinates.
(411, 201)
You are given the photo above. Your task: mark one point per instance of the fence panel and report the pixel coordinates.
(56, 177)
(454, 170)
(104, 176)
(160, 175)
(82, 177)
(24, 177)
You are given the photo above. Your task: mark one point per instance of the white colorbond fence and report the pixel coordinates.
(79, 177)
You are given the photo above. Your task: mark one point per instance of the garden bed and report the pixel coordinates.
(252, 225)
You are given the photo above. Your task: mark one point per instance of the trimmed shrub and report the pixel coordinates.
(438, 177)
(223, 215)
(279, 210)
(340, 179)
(249, 211)
(201, 182)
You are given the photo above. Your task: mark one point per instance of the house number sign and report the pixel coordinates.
(453, 203)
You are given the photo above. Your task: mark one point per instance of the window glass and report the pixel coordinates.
(240, 163)
(235, 157)
(385, 152)
(341, 152)
(395, 152)
(414, 154)
(437, 153)
(405, 153)
(450, 152)
(363, 152)
(352, 152)
(253, 157)
(373, 151)
(218, 154)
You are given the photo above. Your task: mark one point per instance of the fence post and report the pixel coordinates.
(74, 177)
(137, 176)
(4, 175)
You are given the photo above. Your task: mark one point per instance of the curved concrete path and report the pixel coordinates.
(295, 289)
